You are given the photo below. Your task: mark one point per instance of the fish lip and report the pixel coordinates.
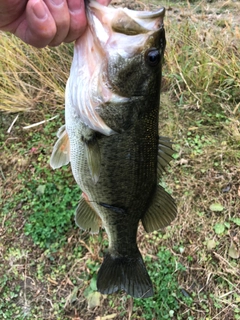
(148, 14)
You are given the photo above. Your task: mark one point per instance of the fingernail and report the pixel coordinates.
(57, 2)
(75, 5)
(40, 10)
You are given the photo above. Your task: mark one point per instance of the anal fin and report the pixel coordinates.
(161, 212)
(61, 150)
(86, 217)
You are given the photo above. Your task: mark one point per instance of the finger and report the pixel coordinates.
(78, 21)
(10, 11)
(60, 13)
(37, 26)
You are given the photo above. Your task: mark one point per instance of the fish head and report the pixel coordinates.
(117, 58)
(135, 52)
(133, 43)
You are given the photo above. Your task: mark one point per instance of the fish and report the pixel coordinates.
(111, 138)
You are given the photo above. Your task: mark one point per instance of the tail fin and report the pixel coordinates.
(124, 273)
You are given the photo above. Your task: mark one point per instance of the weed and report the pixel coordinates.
(52, 207)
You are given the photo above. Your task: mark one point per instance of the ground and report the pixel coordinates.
(47, 265)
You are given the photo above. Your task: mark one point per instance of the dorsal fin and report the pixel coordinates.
(61, 150)
(165, 153)
(161, 212)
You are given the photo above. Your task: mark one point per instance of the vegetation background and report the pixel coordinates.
(47, 265)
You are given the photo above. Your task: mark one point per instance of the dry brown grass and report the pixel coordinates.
(31, 77)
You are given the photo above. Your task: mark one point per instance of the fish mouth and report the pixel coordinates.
(122, 30)
(139, 22)
(148, 14)
(127, 21)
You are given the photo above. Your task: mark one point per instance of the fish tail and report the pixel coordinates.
(124, 273)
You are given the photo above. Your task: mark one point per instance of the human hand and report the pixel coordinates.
(44, 22)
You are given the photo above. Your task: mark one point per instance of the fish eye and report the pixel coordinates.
(152, 57)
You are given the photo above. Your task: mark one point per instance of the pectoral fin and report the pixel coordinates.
(93, 159)
(86, 217)
(61, 150)
(165, 153)
(161, 212)
(92, 151)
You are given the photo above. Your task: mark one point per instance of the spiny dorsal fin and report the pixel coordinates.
(93, 159)
(161, 212)
(61, 150)
(86, 217)
(165, 153)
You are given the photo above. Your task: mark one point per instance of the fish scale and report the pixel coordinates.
(112, 141)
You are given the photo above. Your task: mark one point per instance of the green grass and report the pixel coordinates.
(163, 270)
(47, 266)
(52, 208)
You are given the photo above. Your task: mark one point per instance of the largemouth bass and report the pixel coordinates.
(112, 141)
